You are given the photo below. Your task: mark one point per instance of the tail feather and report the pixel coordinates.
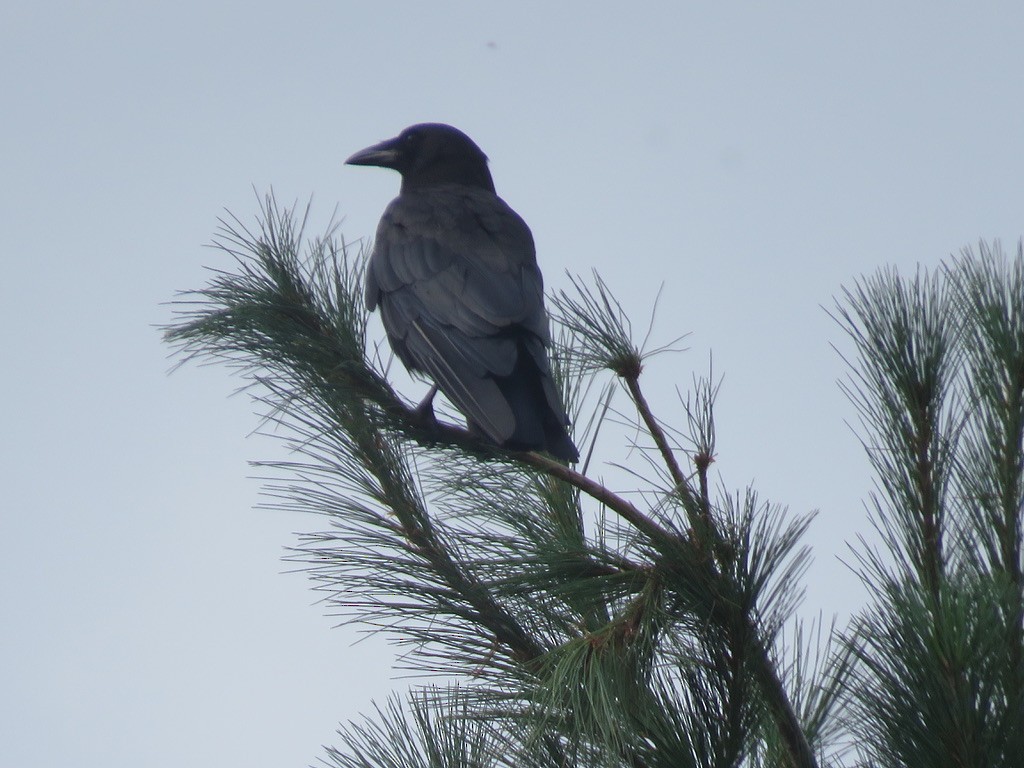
(541, 424)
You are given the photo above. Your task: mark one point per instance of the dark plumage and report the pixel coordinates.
(454, 272)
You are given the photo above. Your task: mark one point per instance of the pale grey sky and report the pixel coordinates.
(752, 157)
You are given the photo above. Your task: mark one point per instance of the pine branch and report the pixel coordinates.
(937, 679)
(989, 298)
(296, 326)
(902, 383)
(600, 326)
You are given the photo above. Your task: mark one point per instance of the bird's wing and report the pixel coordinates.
(466, 254)
(454, 271)
(463, 380)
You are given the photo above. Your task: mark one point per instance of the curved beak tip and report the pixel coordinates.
(383, 155)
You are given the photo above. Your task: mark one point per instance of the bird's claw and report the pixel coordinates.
(424, 414)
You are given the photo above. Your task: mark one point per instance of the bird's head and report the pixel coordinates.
(428, 154)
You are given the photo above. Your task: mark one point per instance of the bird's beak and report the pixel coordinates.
(383, 155)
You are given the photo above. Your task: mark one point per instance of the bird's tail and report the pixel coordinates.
(541, 423)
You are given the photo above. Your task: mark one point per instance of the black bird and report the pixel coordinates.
(454, 272)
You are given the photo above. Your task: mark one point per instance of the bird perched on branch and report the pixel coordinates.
(454, 272)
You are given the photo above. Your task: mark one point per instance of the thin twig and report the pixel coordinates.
(458, 436)
(656, 432)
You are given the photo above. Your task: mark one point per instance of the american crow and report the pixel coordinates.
(455, 274)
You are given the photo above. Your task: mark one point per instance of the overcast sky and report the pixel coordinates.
(753, 158)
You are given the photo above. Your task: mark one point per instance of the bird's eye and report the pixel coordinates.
(410, 138)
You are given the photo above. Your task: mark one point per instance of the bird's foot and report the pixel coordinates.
(424, 415)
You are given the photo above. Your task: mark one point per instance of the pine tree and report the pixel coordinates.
(583, 627)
